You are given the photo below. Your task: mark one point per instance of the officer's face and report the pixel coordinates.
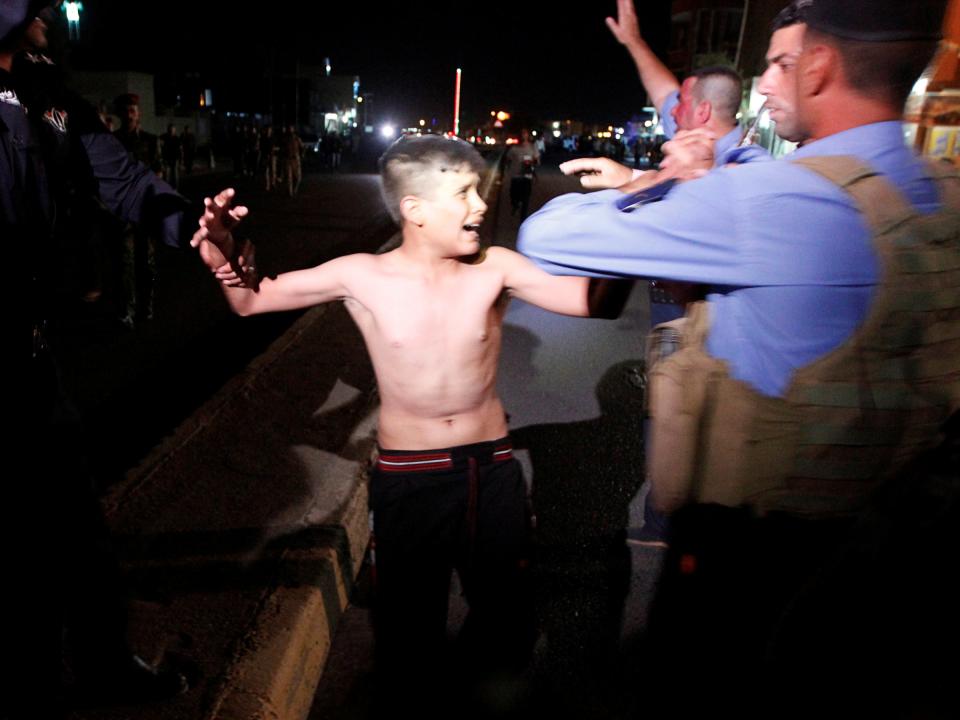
(683, 112)
(779, 81)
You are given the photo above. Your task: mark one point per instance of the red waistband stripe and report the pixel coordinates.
(408, 463)
(431, 461)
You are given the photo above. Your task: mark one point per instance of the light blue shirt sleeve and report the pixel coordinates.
(667, 122)
(764, 223)
(787, 253)
(678, 238)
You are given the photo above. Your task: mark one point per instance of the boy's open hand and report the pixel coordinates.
(218, 220)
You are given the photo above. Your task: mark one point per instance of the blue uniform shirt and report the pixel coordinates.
(722, 147)
(788, 254)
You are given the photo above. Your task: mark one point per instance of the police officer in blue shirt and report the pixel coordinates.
(709, 98)
(825, 360)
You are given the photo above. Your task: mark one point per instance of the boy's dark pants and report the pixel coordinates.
(462, 508)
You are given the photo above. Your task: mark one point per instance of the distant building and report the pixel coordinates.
(102, 88)
(704, 32)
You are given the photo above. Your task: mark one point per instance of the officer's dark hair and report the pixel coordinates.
(722, 87)
(410, 164)
(884, 71)
(792, 14)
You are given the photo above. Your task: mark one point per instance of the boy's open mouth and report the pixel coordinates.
(472, 227)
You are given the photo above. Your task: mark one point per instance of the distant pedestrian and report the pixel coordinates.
(292, 153)
(189, 141)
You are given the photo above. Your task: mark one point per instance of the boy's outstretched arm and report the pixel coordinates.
(564, 294)
(232, 264)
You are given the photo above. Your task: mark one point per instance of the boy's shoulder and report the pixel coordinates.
(498, 255)
(501, 258)
(359, 261)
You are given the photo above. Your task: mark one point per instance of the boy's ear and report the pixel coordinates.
(411, 210)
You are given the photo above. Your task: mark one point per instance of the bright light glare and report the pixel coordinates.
(556, 133)
(387, 131)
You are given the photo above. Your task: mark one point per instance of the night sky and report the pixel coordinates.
(526, 58)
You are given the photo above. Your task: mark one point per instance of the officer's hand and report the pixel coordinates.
(598, 172)
(688, 155)
(626, 28)
(241, 272)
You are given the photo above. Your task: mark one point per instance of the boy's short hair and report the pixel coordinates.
(407, 165)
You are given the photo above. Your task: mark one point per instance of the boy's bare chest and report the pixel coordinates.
(449, 316)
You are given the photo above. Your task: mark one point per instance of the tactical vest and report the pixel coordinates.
(849, 419)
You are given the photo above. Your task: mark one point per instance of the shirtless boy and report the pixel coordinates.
(446, 492)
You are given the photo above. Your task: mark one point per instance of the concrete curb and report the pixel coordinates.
(284, 653)
(277, 661)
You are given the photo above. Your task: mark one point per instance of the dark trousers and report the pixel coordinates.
(520, 190)
(787, 617)
(465, 511)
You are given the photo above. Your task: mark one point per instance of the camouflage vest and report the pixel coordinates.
(849, 419)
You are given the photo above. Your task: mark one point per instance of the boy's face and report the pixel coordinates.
(453, 211)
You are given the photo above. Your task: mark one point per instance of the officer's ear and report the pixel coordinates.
(816, 67)
(702, 112)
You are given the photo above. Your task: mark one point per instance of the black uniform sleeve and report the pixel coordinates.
(132, 191)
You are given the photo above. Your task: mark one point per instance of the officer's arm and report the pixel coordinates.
(131, 191)
(692, 235)
(657, 79)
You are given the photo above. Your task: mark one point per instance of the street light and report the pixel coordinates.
(72, 10)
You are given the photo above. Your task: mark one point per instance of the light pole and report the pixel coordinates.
(365, 100)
